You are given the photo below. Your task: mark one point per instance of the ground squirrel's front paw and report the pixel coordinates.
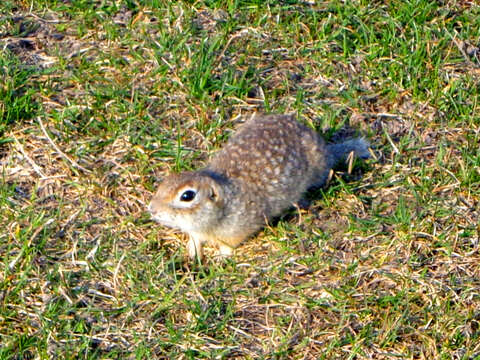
(195, 249)
(225, 250)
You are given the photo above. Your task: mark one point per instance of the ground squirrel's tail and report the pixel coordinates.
(339, 151)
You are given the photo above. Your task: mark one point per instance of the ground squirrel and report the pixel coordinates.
(264, 169)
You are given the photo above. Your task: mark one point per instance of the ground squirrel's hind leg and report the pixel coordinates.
(339, 151)
(195, 248)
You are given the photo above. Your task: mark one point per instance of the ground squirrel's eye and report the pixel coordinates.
(188, 195)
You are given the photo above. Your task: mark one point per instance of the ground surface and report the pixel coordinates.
(100, 99)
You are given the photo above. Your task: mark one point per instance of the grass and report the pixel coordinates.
(100, 99)
(18, 102)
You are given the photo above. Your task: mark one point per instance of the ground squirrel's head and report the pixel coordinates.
(190, 201)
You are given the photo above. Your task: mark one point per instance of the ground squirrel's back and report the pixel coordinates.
(274, 159)
(263, 169)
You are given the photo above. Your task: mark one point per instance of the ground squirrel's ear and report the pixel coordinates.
(214, 192)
